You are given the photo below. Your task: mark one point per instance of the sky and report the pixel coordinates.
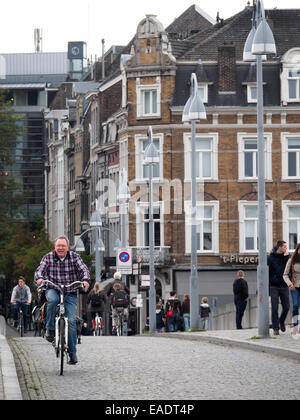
(91, 21)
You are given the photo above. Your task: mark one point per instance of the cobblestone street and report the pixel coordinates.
(151, 368)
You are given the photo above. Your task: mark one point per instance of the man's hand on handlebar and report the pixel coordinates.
(86, 286)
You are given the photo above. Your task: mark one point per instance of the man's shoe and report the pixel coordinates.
(49, 335)
(15, 324)
(276, 332)
(282, 327)
(73, 359)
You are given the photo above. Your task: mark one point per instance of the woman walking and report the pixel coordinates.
(291, 276)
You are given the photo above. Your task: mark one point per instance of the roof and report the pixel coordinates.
(36, 63)
(234, 32)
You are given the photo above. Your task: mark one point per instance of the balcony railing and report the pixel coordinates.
(161, 255)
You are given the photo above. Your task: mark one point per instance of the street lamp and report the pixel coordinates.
(260, 42)
(194, 110)
(151, 158)
(96, 224)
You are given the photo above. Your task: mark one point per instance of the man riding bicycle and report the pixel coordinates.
(21, 297)
(62, 267)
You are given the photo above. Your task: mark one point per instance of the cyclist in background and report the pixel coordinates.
(119, 299)
(63, 267)
(97, 303)
(21, 297)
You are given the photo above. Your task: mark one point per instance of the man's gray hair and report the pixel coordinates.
(62, 237)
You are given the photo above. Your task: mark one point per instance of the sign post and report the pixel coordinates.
(124, 260)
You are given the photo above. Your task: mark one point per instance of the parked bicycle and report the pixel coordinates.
(61, 322)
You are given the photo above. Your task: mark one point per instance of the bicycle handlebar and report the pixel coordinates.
(61, 286)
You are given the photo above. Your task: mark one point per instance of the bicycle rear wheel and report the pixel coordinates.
(61, 345)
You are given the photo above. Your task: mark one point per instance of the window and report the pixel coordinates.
(203, 92)
(251, 93)
(248, 156)
(291, 223)
(156, 217)
(294, 84)
(207, 221)
(290, 76)
(290, 156)
(142, 224)
(249, 233)
(206, 156)
(148, 99)
(142, 170)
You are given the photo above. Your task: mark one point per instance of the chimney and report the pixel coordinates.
(38, 39)
(103, 59)
(227, 68)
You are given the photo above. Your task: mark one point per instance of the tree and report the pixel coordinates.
(10, 130)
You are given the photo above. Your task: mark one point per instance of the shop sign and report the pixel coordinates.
(239, 259)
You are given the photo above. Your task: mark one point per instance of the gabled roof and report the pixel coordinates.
(285, 24)
(193, 19)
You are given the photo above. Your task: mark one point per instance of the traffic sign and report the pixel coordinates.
(124, 261)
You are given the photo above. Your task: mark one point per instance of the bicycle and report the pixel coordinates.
(61, 322)
(99, 328)
(20, 326)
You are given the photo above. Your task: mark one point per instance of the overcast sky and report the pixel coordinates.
(91, 20)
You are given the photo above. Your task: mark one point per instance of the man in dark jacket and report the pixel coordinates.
(277, 261)
(240, 291)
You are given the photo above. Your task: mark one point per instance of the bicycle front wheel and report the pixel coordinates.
(21, 324)
(61, 344)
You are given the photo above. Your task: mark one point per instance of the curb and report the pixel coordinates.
(11, 386)
(248, 345)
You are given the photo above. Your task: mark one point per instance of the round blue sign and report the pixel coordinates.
(124, 257)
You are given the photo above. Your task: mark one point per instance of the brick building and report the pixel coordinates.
(148, 84)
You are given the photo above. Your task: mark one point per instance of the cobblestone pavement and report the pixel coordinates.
(151, 368)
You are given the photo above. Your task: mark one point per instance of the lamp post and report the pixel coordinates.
(260, 42)
(96, 226)
(151, 157)
(123, 196)
(194, 110)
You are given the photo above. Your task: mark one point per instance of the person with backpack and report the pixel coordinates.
(96, 302)
(173, 312)
(119, 299)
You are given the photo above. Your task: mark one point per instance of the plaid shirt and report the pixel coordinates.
(65, 272)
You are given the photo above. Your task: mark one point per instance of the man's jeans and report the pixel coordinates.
(173, 322)
(283, 294)
(53, 298)
(296, 303)
(24, 307)
(241, 306)
(186, 318)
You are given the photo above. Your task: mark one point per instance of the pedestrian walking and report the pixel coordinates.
(21, 298)
(204, 312)
(186, 312)
(240, 292)
(96, 302)
(160, 318)
(173, 312)
(291, 276)
(277, 261)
